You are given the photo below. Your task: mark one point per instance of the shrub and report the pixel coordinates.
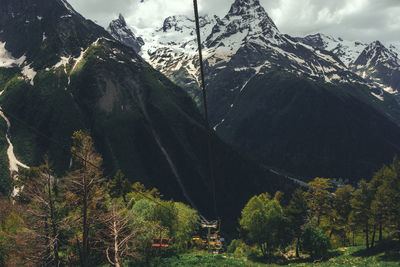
(315, 242)
(237, 246)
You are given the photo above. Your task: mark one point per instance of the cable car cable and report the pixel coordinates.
(207, 123)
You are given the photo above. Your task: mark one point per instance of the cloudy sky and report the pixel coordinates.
(365, 20)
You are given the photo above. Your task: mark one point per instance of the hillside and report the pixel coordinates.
(73, 75)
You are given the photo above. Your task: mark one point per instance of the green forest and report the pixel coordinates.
(85, 219)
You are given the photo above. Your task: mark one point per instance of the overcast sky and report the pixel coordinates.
(365, 20)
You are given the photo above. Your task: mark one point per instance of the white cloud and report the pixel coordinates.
(366, 20)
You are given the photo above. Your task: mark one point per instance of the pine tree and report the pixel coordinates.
(318, 199)
(340, 213)
(296, 214)
(361, 204)
(388, 197)
(119, 186)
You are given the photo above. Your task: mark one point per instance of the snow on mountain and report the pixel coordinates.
(247, 26)
(376, 53)
(394, 47)
(380, 66)
(246, 20)
(121, 32)
(7, 60)
(346, 51)
(247, 42)
(377, 63)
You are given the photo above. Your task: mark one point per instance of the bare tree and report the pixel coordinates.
(42, 223)
(119, 235)
(83, 186)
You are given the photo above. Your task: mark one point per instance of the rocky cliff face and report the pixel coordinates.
(121, 32)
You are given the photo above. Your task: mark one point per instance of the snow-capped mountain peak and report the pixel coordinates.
(248, 9)
(376, 53)
(246, 20)
(346, 51)
(121, 32)
(177, 23)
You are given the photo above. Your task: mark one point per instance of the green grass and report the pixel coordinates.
(386, 255)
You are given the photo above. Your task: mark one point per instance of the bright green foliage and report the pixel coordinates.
(145, 209)
(188, 221)
(237, 246)
(175, 220)
(315, 242)
(189, 260)
(262, 221)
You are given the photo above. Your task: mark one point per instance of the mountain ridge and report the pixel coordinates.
(238, 54)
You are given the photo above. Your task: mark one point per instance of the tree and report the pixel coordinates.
(296, 214)
(262, 220)
(315, 242)
(341, 209)
(143, 209)
(318, 199)
(119, 186)
(83, 185)
(386, 205)
(188, 221)
(361, 204)
(119, 235)
(379, 205)
(42, 233)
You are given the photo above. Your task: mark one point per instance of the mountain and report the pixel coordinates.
(74, 75)
(346, 51)
(377, 63)
(295, 105)
(172, 49)
(121, 32)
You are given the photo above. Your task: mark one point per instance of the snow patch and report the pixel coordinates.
(378, 96)
(7, 60)
(13, 161)
(63, 62)
(29, 72)
(68, 7)
(82, 55)
(216, 126)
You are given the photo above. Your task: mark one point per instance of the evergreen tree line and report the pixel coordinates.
(84, 220)
(321, 216)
